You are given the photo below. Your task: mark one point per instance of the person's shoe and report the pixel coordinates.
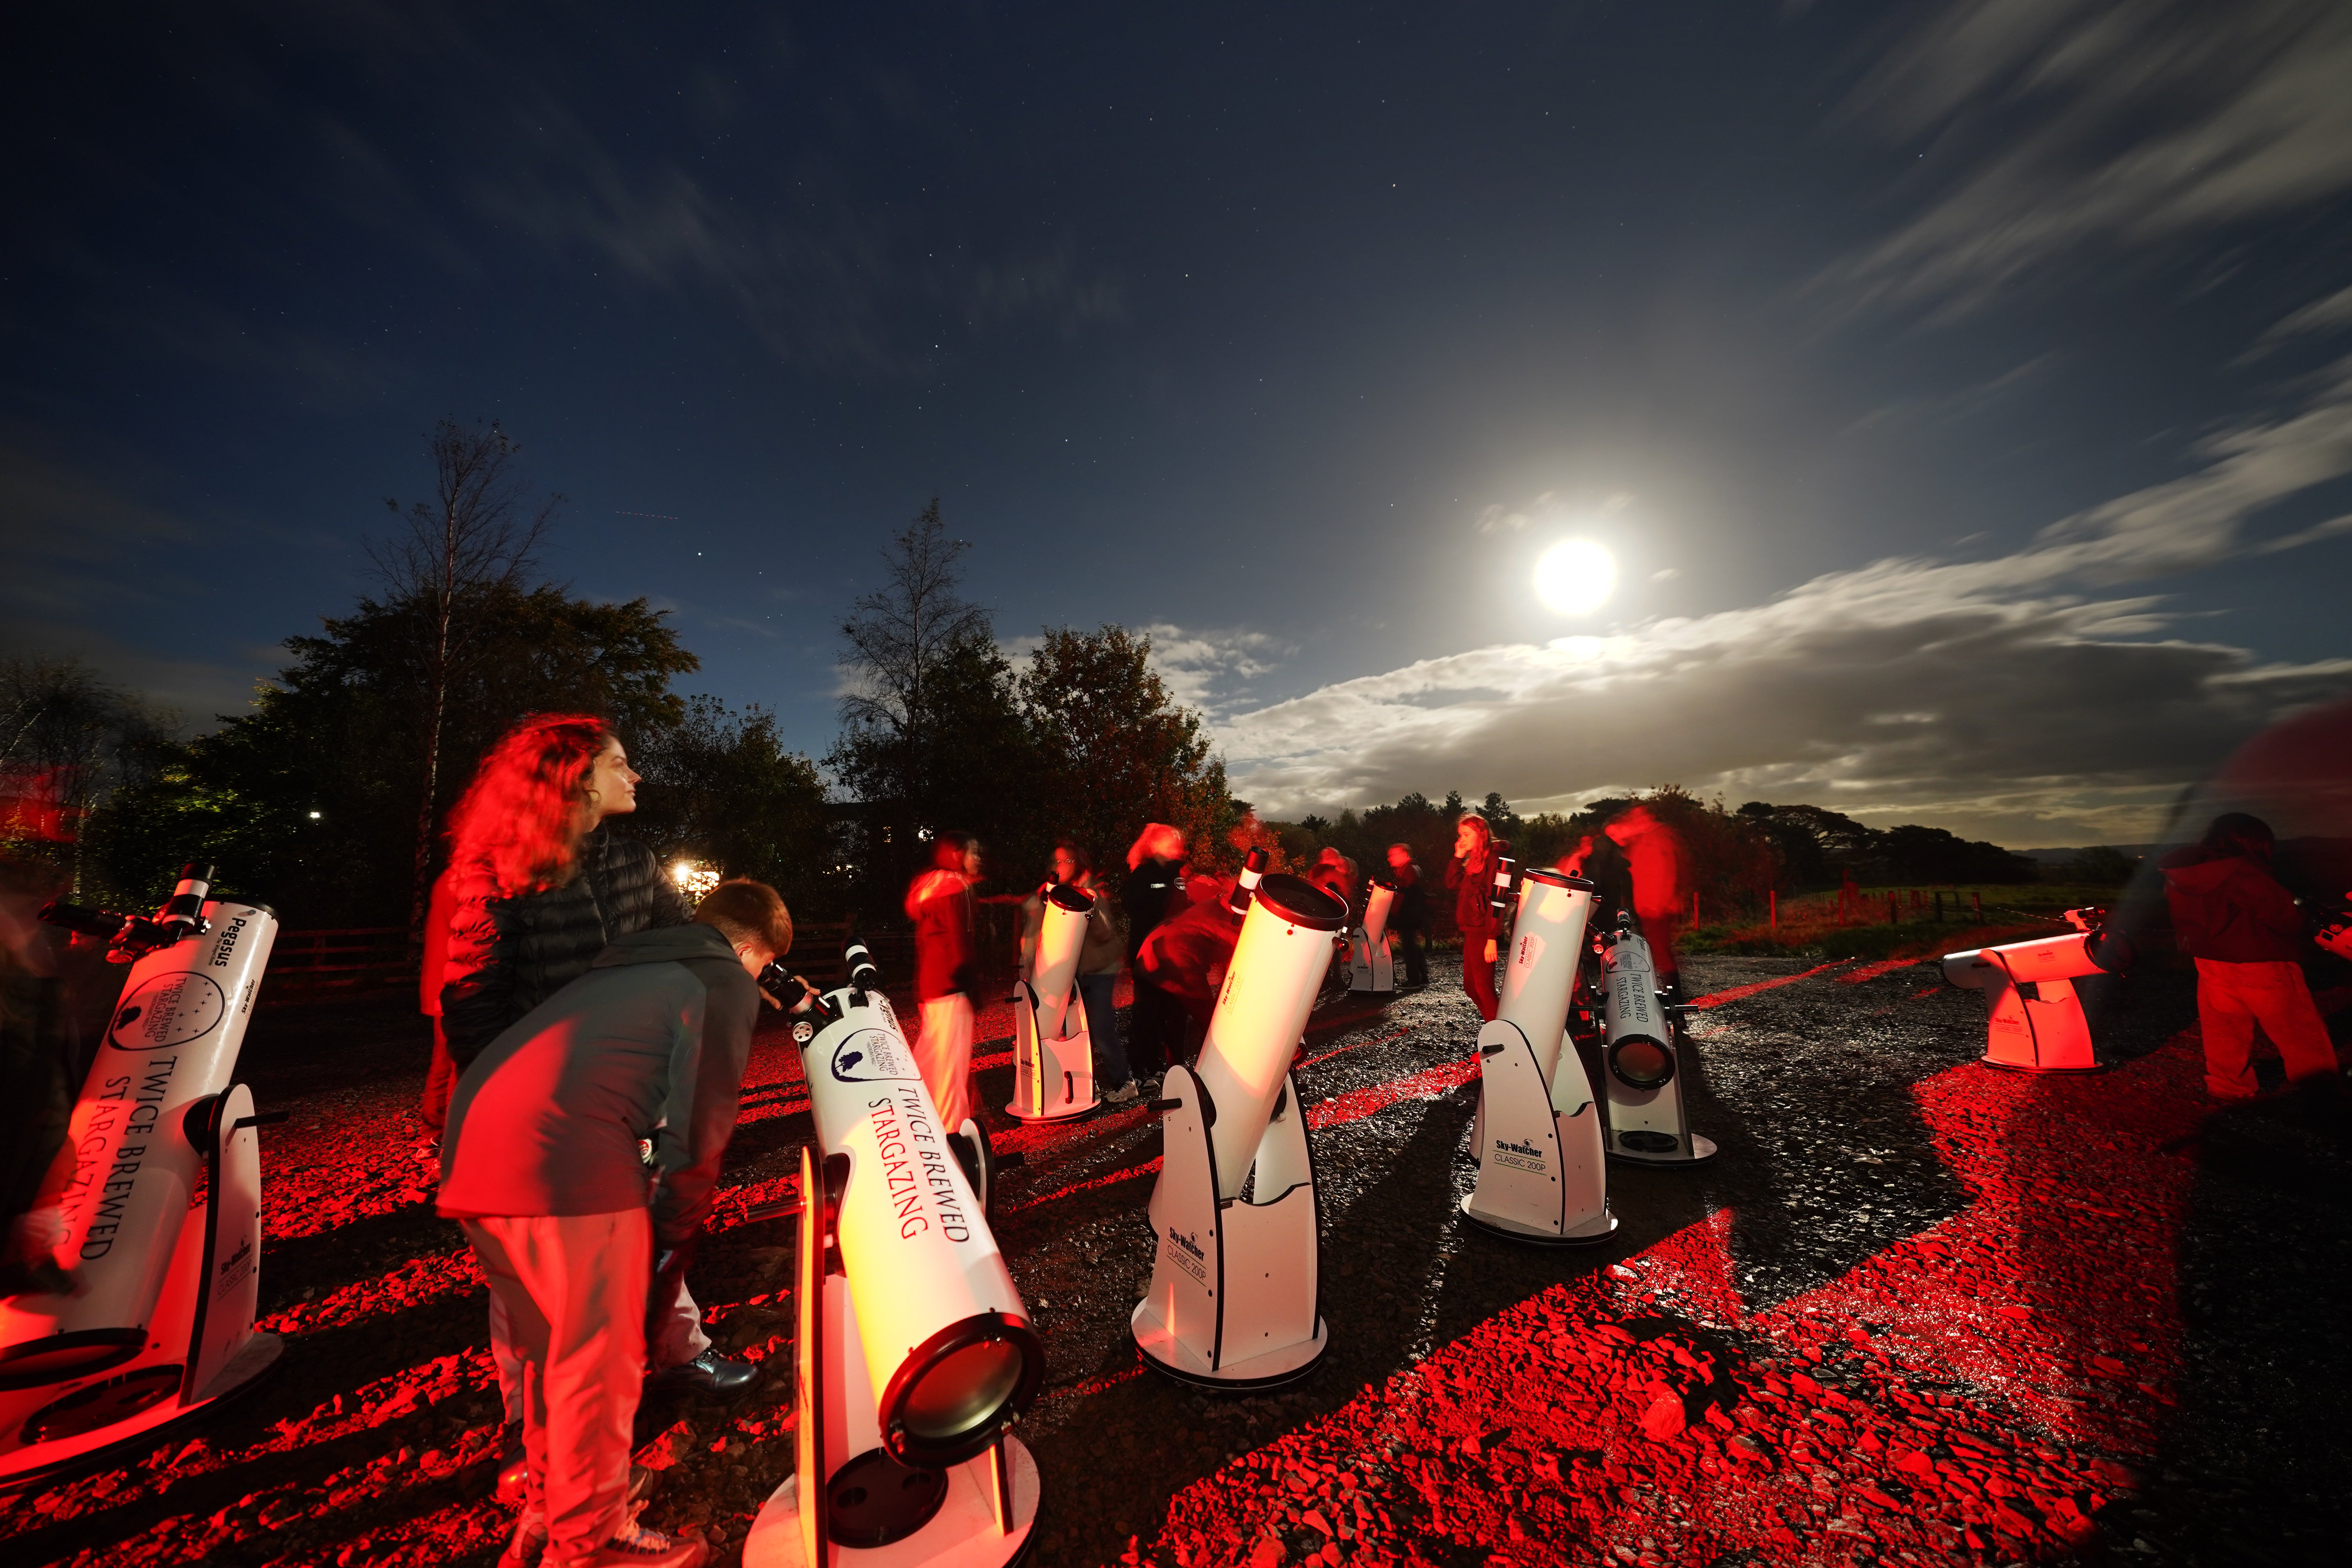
(1125, 1094)
(514, 1470)
(529, 1542)
(709, 1374)
(429, 1151)
(634, 1544)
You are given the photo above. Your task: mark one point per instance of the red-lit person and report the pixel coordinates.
(1409, 916)
(540, 1163)
(538, 884)
(2247, 936)
(1155, 863)
(1471, 875)
(940, 903)
(1653, 855)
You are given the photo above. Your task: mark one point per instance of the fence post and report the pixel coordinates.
(1939, 906)
(1979, 903)
(1894, 910)
(1773, 895)
(1694, 908)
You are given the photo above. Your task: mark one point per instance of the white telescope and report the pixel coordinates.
(1232, 1300)
(915, 1352)
(160, 1319)
(1640, 1061)
(1372, 966)
(1052, 1056)
(2037, 1023)
(1542, 1170)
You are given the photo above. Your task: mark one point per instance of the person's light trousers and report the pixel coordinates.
(2232, 998)
(574, 1287)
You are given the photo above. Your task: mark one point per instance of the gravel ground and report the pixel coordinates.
(1917, 1311)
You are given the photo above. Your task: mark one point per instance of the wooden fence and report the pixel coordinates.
(321, 965)
(375, 960)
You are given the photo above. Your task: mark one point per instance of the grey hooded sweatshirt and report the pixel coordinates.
(650, 1043)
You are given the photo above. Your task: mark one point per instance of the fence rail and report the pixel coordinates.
(312, 966)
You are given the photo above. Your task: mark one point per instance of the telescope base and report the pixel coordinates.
(1702, 1149)
(2032, 1071)
(139, 1430)
(964, 1534)
(1068, 1111)
(1511, 1230)
(1169, 1356)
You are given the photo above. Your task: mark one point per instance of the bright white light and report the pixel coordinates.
(1575, 575)
(693, 878)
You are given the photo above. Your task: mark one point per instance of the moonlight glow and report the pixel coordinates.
(1575, 575)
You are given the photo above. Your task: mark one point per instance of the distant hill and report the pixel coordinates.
(2061, 857)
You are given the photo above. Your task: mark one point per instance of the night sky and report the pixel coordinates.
(1960, 390)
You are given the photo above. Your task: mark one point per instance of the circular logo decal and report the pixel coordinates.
(166, 1011)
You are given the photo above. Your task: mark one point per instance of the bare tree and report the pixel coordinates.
(451, 560)
(899, 636)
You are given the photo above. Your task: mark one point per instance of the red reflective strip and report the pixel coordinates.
(1872, 971)
(1718, 998)
(1359, 1103)
(1148, 1168)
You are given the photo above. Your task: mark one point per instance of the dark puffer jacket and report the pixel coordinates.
(508, 955)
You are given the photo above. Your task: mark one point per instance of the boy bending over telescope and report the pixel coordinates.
(540, 1164)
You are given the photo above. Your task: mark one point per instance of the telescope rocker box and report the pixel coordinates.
(1543, 1168)
(1234, 1302)
(160, 1320)
(2036, 1022)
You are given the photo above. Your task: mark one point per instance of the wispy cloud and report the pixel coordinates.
(2119, 125)
(1214, 671)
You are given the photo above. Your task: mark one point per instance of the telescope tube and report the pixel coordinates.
(1283, 951)
(1638, 1051)
(1546, 948)
(948, 1342)
(172, 1042)
(1379, 894)
(1061, 933)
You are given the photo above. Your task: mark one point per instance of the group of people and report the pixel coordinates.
(591, 1033)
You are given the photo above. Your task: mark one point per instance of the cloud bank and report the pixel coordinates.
(1993, 696)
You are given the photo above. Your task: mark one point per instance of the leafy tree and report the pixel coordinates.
(1121, 751)
(720, 788)
(306, 802)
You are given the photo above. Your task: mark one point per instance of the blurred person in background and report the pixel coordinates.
(41, 1078)
(1148, 897)
(941, 904)
(542, 1168)
(1098, 965)
(2246, 933)
(537, 887)
(1409, 916)
(1471, 875)
(1657, 864)
(1335, 874)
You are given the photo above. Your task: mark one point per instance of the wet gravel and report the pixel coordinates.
(1917, 1310)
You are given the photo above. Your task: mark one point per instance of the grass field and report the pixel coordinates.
(1974, 915)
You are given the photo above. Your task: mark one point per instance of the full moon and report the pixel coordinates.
(1575, 575)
